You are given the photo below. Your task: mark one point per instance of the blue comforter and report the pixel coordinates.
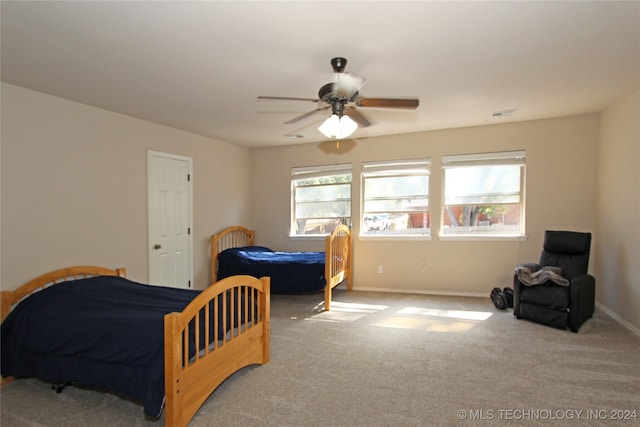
(290, 272)
(103, 332)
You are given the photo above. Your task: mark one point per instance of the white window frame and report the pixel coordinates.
(394, 169)
(510, 158)
(302, 173)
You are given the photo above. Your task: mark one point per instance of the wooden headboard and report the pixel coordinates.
(231, 237)
(10, 298)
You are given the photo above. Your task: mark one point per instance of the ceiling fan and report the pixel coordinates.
(343, 97)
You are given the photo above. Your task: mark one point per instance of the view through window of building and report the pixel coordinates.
(484, 194)
(395, 198)
(321, 199)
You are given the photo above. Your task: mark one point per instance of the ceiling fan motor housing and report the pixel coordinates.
(326, 92)
(337, 107)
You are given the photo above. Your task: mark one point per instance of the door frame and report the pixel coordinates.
(150, 243)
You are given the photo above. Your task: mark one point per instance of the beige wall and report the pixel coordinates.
(561, 160)
(618, 211)
(74, 187)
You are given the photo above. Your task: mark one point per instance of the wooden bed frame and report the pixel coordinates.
(338, 254)
(188, 385)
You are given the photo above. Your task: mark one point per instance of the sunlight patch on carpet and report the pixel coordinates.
(348, 311)
(433, 325)
(453, 314)
(435, 320)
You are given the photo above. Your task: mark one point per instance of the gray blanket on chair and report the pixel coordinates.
(534, 274)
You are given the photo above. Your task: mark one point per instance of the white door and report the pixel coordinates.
(170, 218)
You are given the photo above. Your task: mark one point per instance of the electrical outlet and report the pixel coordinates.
(379, 269)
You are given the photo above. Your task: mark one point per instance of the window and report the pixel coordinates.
(320, 199)
(484, 194)
(395, 198)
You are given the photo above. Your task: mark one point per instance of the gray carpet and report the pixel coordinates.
(382, 359)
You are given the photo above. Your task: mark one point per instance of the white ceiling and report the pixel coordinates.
(199, 66)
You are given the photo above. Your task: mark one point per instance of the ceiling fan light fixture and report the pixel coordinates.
(340, 127)
(329, 127)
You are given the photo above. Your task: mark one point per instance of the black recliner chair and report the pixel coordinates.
(552, 304)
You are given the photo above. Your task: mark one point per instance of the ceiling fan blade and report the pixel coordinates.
(388, 103)
(348, 84)
(288, 98)
(305, 115)
(358, 117)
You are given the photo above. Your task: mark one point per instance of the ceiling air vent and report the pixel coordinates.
(504, 113)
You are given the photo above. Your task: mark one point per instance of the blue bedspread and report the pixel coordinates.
(103, 332)
(290, 272)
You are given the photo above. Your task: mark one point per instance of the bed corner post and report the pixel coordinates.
(172, 370)
(350, 260)
(5, 304)
(265, 302)
(5, 308)
(213, 258)
(328, 273)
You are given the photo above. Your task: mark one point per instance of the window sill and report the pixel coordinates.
(395, 237)
(309, 237)
(478, 238)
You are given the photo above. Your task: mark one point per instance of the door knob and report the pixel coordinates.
(157, 246)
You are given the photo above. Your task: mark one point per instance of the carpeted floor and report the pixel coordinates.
(381, 359)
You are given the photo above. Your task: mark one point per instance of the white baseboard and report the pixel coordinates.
(414, 291)
(617, 318)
